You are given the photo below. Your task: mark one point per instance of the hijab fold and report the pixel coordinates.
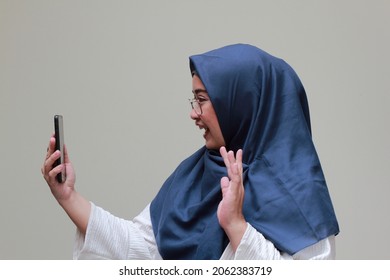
(262, 108)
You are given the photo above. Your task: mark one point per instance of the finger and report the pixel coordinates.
(50, 147)
(236, 175)
(231, 157)
(224, 182)
(239, 160)
(224, 155)
(232, 160)
(239, 156)
(66, 156)
(52, 144)
(49, 152)
(52, 175)
(48, 165)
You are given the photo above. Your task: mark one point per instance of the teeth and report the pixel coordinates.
(203, 127)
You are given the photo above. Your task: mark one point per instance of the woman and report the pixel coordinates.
(264, 199)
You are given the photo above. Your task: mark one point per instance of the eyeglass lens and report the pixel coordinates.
(196, 106)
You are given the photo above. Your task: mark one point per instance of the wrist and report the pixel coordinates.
(78, 209)
(235, 231)
(236, 228)
(68, 200)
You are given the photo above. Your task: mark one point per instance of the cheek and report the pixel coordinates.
(210, 119)
(215, 130)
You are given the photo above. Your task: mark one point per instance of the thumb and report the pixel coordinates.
(224, 183)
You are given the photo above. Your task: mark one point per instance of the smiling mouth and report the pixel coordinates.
(206, 131)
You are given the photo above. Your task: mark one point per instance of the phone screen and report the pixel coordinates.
(59, 135)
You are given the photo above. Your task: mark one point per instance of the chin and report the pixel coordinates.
(213, 146)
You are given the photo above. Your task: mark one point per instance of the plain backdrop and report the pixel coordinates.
(118, 73)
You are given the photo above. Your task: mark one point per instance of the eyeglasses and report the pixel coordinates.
(197, 101)
(195, 104)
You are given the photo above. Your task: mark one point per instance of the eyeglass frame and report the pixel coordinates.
(196, 101)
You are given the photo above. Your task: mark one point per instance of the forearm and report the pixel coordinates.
(254, 246)
(78, 209)
(110, 237)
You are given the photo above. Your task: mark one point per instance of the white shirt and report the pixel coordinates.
(110, 237)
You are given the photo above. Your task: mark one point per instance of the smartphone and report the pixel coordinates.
(59, 135)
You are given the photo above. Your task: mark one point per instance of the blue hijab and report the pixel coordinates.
(262, 108)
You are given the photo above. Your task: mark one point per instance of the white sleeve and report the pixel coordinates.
(110, 237)
(254, 246)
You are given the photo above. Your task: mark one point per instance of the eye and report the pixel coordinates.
(201, 99)
(200, 95)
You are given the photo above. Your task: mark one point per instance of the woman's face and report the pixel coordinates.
(207, 120)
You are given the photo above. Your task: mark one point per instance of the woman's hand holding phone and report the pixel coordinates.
(74, 204)
(61, 191)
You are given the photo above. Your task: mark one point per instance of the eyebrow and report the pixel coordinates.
(199, 90)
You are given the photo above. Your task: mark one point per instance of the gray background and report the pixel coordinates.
(118, 72)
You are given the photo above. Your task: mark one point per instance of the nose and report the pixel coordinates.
(194, 115)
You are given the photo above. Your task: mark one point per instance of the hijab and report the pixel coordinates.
(262, 108)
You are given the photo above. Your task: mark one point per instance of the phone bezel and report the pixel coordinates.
(59, 136)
